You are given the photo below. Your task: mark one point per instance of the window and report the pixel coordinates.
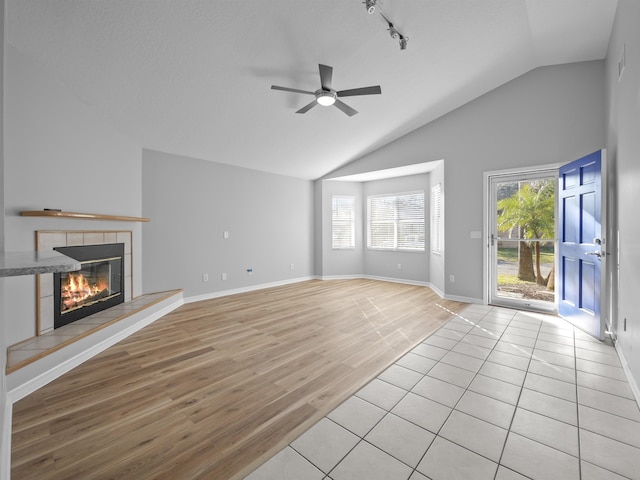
(396, 222)
(436, 219)
(342, 222)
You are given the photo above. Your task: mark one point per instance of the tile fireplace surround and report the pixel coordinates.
(50, 239)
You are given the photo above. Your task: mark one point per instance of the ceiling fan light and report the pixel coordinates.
(326, 99)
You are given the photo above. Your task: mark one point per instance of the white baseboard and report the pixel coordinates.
(460, 298)
(252, 288)
(31, 377)
(633, 384)
(341, 277)
(398, 280)
(440, 293)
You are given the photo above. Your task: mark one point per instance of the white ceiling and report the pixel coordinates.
(193, 77)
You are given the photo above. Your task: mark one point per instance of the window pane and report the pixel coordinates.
(342, 222)
(396, 222)
(411, 235)
(436, 219)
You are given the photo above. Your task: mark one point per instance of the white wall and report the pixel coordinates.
(549, 115)
(623, 149)
(59, 154)
(192, 202)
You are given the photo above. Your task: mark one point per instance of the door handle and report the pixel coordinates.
(597, 253)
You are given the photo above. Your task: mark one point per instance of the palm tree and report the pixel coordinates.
(531, 209)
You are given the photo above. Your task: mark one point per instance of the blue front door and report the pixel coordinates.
(580, 249)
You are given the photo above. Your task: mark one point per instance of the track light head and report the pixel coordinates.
(403, 42)
(370, 5)
(393, 31)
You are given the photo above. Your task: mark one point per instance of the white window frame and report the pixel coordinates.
(347, 224)
(437, 233)
(395, 221)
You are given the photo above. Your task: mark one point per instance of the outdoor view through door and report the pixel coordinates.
(522, 243)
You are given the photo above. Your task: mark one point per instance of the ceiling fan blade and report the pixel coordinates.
(345, 108)
(360, 91)
(307, 107)
(294, 90)
(326, 75)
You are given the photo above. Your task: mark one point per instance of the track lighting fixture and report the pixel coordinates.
(371, 6)
(394, 33)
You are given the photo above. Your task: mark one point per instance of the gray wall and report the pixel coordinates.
(342, 263)
(360, 261)
(59, 154)
(549, 115)
(623, 149)
(436, 263)
(4, 429)
(191, 204)
(415, 266)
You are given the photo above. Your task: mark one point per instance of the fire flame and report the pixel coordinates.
(78, 288)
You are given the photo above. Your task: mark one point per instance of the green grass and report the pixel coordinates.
(511, 280)
(511, 254)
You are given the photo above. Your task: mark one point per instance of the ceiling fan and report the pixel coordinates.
(327, 96)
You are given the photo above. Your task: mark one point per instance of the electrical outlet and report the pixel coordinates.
(399, 266)
(249, 271)
(205, 277)
(225, 235)
(224, 276)
(292, 267)
(452, 278)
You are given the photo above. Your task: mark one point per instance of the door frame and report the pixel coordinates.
(487, 178)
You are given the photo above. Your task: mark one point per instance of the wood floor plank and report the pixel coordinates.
(215, 388)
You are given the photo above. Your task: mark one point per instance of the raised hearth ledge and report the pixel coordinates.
(13, 264)
(36, 362)
(86, 216)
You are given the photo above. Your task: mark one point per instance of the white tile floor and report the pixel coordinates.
(494, 394)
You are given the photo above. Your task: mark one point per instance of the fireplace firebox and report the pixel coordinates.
(98, 285)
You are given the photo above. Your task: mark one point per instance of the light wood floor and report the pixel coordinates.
(215, 388)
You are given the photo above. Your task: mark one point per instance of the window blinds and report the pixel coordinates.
(342, 222)
(436, 219)
(396, 222)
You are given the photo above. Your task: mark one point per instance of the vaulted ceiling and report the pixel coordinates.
(193, 77)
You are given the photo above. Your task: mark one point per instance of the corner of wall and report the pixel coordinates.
(5, 407)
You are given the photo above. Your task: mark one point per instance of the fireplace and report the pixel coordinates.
(98, 285)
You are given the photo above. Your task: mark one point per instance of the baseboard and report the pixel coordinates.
(460, 298)
(398, 280)
(252, 288)
(341, 277)
(440, 293)
(632, 381)
(30, 378)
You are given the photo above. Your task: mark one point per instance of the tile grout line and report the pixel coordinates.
(486, 360)
(575, 362)
(515, 410)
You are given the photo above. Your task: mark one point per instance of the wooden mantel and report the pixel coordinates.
(86, 216)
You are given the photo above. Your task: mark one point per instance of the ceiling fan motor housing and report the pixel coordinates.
(326, 97)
